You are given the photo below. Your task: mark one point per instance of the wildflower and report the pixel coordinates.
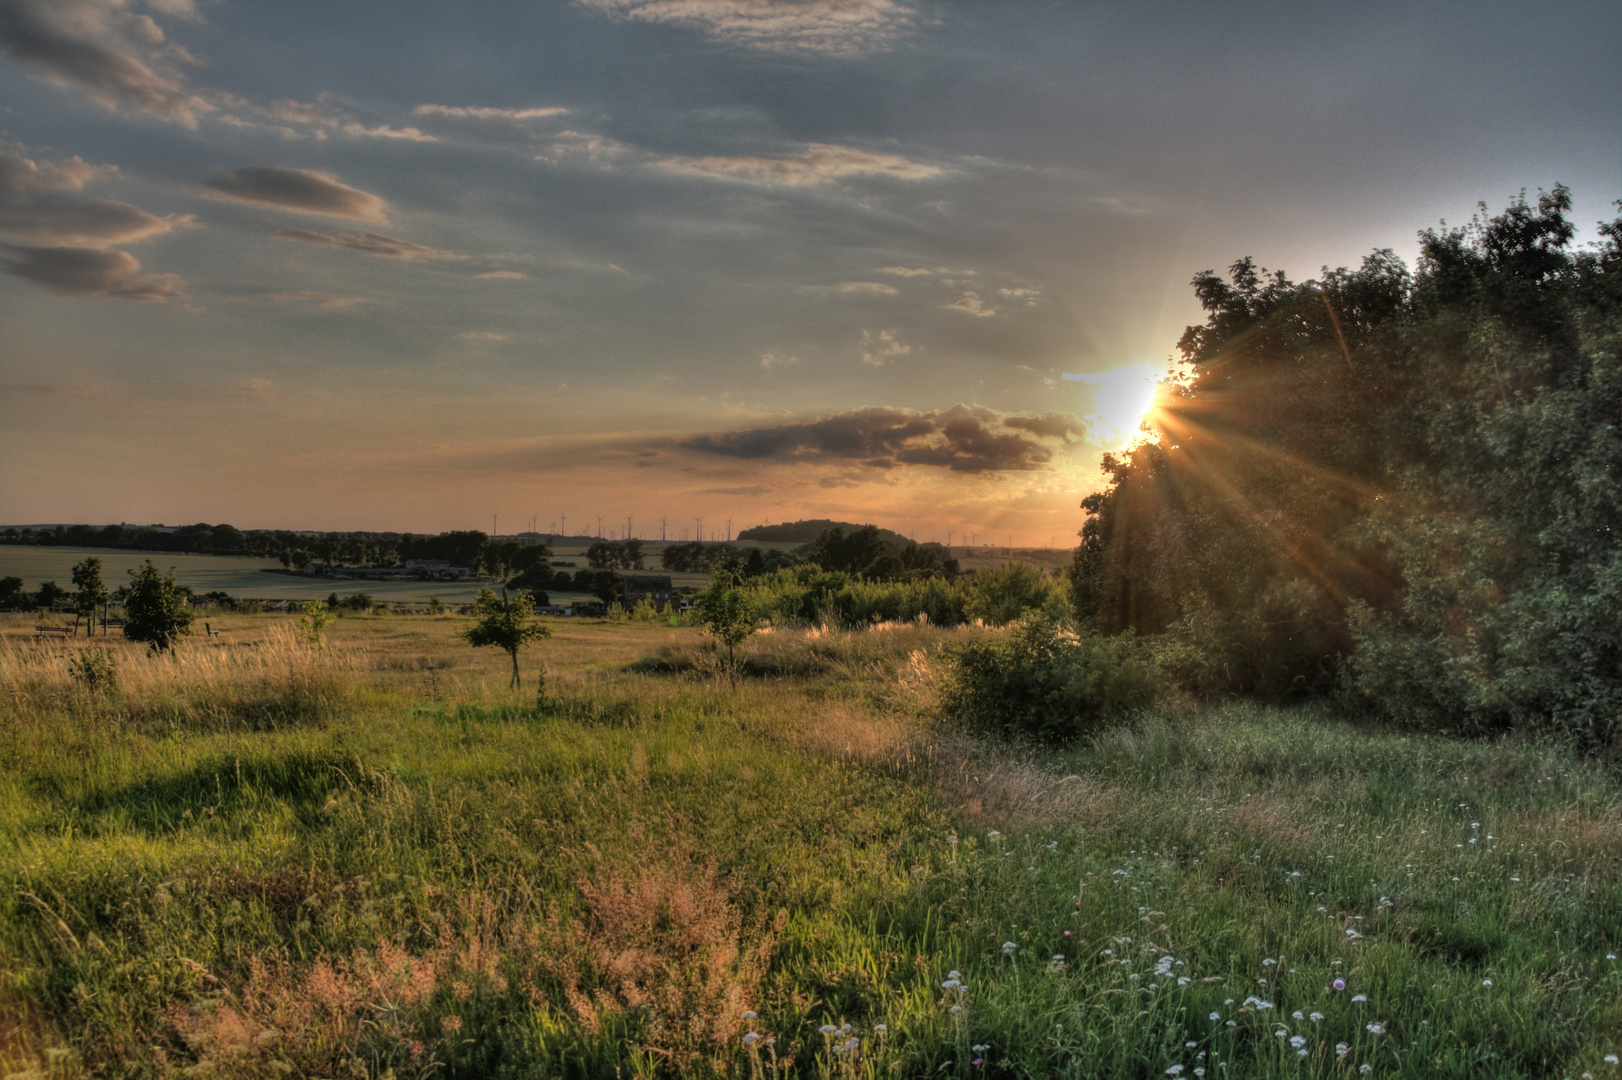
(950, 984)
(1216, 1016)
(1360, 997)
(1376, 1029)
(1233, 1023)
(1058, 958)
(751, 1039)
(993, 835)
(828, 1029)
(1175, 1070)
(879, 1029)
(956, 1009)
(1486, 982)
(979, 1048)
(1184, 980)
(1297, 1015)
(1199, 1072)
(1298, 1041)
(1191, 1044)
(1315, 1017)
(1301, 1053)
(1365, 1069)
(1008, 948)
(1341, 1048)
(954, 974)
(749, 1014)
(1269, 963)
(1611, 1059)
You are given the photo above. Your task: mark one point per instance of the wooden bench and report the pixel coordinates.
(52, 631)
(210, 631)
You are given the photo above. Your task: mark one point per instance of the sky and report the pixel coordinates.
(409, 265)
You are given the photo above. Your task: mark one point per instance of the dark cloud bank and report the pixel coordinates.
(964, 438)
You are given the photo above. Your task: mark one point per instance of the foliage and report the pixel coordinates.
(94, 669)
(725, 613)
(314, 617)
(156, 609)
(436, 606)
(92, 589)
(868, 552)
(1401, 488)
(506, 622)
(49, 595)
(11, 593)
(696, 557)
(615, 555)
(1042, 679)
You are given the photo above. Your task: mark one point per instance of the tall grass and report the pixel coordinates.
(637, 872)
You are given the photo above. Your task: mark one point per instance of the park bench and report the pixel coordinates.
(52, 631)
(210, 631)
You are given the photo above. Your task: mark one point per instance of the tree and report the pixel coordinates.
(156, 611)
(49, 593)
(11, 592)
(314, 619)
(92, 590)
(725, 614)
(506, 622)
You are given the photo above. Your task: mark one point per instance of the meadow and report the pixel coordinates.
(263, 859)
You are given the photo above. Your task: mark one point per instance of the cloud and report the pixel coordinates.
(302, 190)
(482, 112)
(772, 360)
(482, 335)
(568, 147)
(370, 243)
(1049, 425)
(906, 271)
(750, 492)
(964, 439)
(834, 27)
(40, 205)
(325, 300)
(297, 112)
(875, 288)
(970, 303)
(383, 131)
(502, 275)
(99, 47)
(877, 349)
(818, 164)
(80, 271)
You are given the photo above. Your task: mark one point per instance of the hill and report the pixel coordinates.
(803, 532)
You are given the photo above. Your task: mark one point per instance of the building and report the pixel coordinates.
(654, 588)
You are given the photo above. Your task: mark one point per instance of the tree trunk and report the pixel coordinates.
(515, 668)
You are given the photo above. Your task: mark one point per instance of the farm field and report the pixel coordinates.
(260, 858)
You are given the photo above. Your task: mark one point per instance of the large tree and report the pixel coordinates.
(156, 610)
(92, 590)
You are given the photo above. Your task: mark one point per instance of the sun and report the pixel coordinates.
(1122, 400)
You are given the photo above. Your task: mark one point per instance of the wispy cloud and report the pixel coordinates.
(303, 190)
(817, 164)
(101, 48)
(317, 299)
(834, 27)
(873, 288)
(383, 131)
(502, 275)
(370, 243)
(80, 271)
(40, 204)
(485, 112)
(576, 147)
(971, 304)
(906, 271)
(879, 348)
(482, 335)
(772, 360)
(964, 438)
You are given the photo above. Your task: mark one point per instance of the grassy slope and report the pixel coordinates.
(263, 860)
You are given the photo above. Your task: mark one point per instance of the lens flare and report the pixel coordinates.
(1122, 400)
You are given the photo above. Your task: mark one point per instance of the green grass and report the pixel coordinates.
(266, 861)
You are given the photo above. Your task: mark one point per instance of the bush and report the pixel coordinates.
(1040, 678)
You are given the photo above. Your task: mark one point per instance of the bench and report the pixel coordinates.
(52, 631)
(210, 631)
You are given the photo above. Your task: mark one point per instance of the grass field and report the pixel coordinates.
(373, 859)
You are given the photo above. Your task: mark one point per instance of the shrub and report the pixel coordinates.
(1042, 679)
